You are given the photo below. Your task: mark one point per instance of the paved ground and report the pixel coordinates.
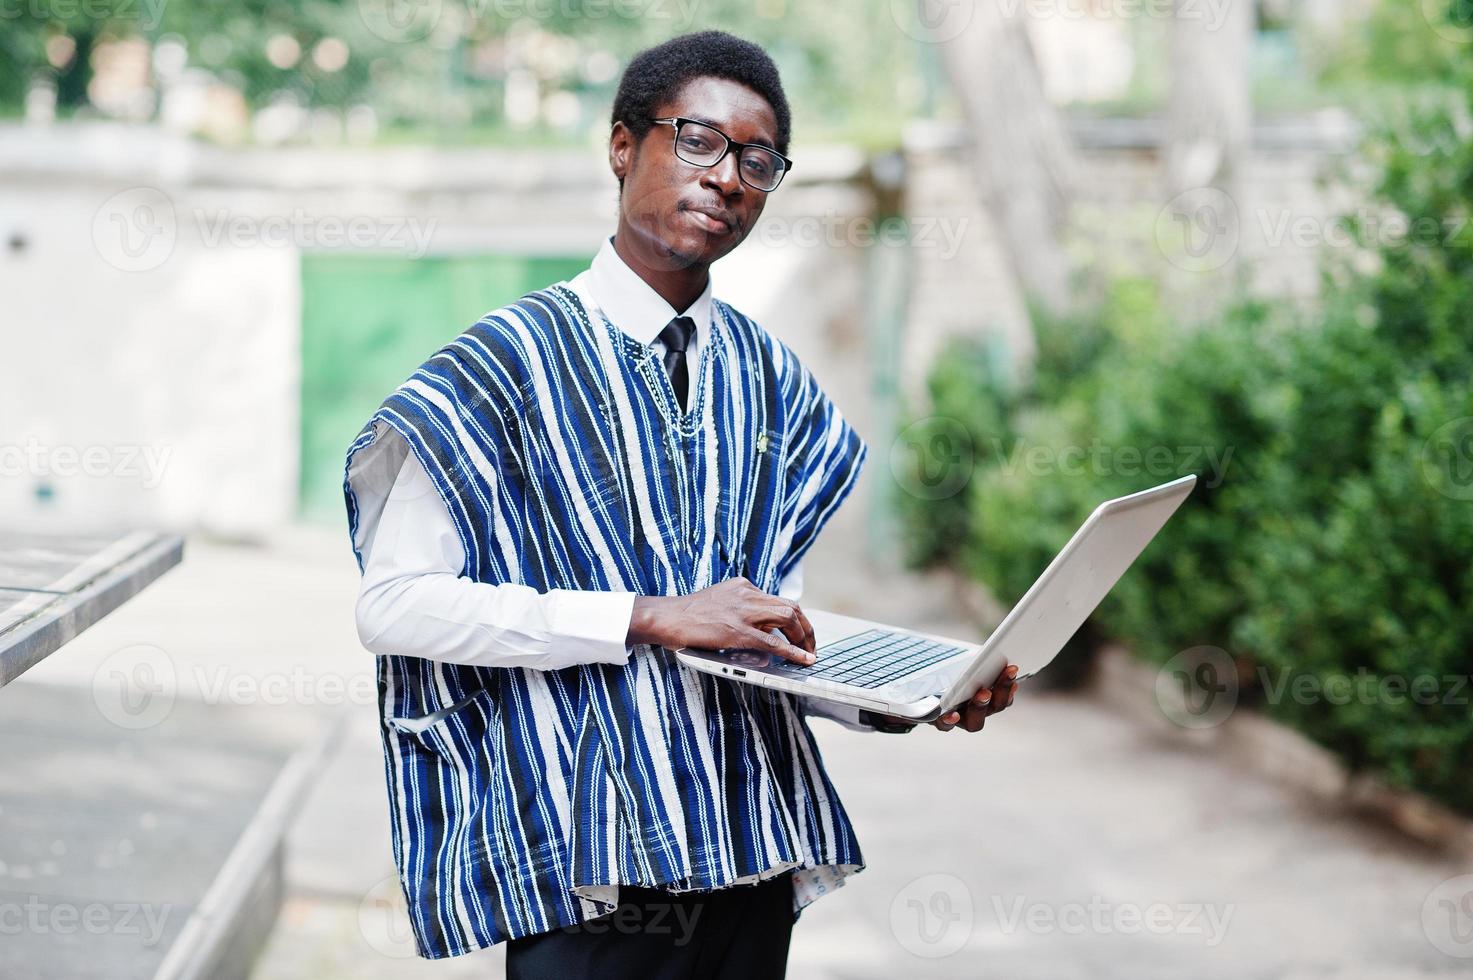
(1062, 842)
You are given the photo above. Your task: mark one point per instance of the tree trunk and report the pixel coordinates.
(1208, 138)
(1022, 156)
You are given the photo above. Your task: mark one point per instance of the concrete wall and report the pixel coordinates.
(150, 299)
(1292, 193)
(150, 292)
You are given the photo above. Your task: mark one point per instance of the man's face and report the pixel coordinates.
(680, 214)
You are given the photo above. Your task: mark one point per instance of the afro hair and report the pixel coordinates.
(657, 74)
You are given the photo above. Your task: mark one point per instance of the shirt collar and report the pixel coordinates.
(632, 304)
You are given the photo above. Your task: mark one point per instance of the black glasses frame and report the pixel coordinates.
(678, 121)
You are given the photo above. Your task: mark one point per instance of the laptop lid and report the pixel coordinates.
(1073, 584)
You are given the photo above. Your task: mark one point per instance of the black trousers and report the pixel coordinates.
(741, 931)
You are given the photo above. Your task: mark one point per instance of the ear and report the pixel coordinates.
(622, 150)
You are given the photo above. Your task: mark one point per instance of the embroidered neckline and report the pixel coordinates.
(647, 362)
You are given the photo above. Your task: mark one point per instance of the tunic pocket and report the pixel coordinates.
(428, 719)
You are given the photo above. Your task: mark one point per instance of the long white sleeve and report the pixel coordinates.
(413, 602)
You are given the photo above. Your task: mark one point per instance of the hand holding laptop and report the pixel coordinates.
(986, 702)
(908, 676)
(735, 615)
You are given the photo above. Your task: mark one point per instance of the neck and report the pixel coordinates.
(677, 286)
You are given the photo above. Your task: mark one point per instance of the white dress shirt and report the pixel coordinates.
(412, 600)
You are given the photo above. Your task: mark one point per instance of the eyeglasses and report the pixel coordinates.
(703, 146)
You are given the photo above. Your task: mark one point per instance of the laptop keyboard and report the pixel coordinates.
(872, 659)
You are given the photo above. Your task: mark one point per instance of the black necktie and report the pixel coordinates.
(676, 337)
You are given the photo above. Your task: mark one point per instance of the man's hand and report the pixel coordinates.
(733, 613)
(985, 703)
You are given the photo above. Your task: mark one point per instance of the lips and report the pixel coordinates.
(714, 219)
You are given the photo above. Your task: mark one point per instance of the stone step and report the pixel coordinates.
(144, 852)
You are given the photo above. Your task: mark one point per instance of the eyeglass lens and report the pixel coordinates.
(703, 146)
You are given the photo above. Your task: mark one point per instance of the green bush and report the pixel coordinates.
(969, 396)
(1327, 544)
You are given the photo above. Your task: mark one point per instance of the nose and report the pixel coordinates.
(722, 177)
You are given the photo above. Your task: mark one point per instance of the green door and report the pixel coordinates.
(368, 321)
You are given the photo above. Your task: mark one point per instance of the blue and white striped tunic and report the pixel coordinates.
(521, 799)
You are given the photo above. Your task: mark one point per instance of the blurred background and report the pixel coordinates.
(1041, 252)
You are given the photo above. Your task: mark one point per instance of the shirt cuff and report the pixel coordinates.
(598, 620)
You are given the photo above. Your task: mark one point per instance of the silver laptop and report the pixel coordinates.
(921, 676)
